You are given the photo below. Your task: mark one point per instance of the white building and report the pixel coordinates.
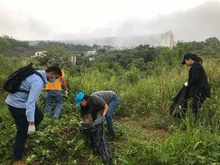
(38, 54)
(91, 52)
(167, 39)
(91, 59)
(73, 60)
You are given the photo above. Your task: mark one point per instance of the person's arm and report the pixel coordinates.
(105, 109)
(34, 93)
(101, 104)
(87, 118)
(63, 81)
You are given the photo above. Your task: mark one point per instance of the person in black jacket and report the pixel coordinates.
(198, 87)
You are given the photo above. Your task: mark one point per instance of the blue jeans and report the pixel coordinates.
(22, 124)
(54, 96)
(111, 108)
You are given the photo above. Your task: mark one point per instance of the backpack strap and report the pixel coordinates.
(37, 73)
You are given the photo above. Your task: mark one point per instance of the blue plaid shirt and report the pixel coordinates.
(34, 84)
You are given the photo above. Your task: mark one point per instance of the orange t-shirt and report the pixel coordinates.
(55, 85)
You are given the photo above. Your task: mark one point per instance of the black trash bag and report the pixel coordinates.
(178, 107)
(85, 129)
(98, 140)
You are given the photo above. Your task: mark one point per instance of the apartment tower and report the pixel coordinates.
(167, 39)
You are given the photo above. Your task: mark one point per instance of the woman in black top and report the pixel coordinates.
(197, 84)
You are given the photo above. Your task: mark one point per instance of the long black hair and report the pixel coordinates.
(85, 110)
(194, 57)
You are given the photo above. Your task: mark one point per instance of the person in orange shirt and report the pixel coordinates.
(54, 94)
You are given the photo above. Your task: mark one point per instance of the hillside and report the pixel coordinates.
(146, 79)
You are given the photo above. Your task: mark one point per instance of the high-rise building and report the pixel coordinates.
(167, 39)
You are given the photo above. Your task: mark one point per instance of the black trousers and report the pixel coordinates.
(197, 101)
(22, 124)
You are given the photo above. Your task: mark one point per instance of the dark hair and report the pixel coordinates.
(84, 111)
(194, 57)
(56, 64)
(54, 69)
(199, 59)
(86, 97)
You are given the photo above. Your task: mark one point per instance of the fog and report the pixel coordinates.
(195, 24)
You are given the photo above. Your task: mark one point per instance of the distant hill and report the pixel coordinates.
(114, 41)
(39, 46)
(120, 41)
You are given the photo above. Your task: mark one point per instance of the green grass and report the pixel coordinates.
(146, 134)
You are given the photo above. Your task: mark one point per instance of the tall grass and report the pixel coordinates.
(144, 94)
(196, 145)
(192, 141)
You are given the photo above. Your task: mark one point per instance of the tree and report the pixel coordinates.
(138, 63)
(54, 53)
(101, 50)
(208, 51)
(212, 42)
(146, 52)
(4, 44)
(212, 47)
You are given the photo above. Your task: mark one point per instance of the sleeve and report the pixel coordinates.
(99, 103)
(35, 90)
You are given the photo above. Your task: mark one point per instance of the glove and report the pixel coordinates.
(103, 117)
(186, 84)
(66, 92)
(31, 129)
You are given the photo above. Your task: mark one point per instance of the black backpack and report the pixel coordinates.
(13, 82)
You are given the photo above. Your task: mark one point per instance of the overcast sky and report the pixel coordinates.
(81, 19)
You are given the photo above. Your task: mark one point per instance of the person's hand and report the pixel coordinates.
(103, 117)
(66, 92)
(186, 84)
(31, 129)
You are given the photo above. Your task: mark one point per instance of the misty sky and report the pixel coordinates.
(86, 19)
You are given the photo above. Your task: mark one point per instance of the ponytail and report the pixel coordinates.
(197, 58)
